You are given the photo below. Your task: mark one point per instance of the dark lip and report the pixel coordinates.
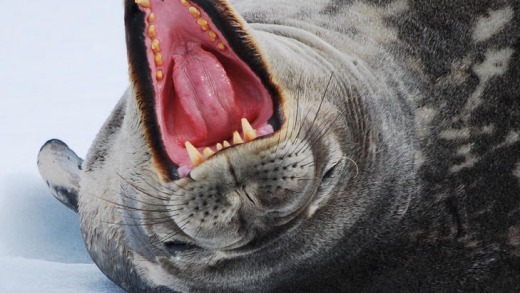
(141, 77)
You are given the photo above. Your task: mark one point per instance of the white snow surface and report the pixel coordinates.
(62, 69)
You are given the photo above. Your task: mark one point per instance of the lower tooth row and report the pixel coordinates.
(197, 158)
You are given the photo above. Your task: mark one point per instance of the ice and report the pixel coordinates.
(31, 275)
(62, 69)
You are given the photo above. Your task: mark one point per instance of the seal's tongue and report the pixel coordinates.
(206, 110)
(206, 97)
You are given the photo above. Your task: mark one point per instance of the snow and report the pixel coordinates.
(62, 69)
(32, 275)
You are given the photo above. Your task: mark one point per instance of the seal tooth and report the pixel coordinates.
(158, 59)
(151, 17)
(194, 11)
(159, 75)
(236, 138)
(226, 144)
(203, 23)
(208, 152)
(212, 36)
(143, 3)
(185, 3)
(152, 32)
(155, 46)
(247, 129)
(221, 46)
(219, 146)
(194, 154)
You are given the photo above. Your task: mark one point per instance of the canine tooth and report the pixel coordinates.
(158, 59)
(152, 32)
(185, 3)
(151, 17)
(143, 3)
(194, 154)
(236, 138)
(155, 46)
(203, 23)
(212, 36)
(194, 11)
(159, 75)
(226, 144)
(208, 152)
(221, 46)
(219, 146)
(249, 132)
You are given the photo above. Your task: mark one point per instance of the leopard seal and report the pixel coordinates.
(319, 146)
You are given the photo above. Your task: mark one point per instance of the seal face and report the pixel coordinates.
(324, 146)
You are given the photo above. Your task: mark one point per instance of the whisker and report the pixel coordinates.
(170, 236)
(125, 207)
(137, 187)
(136, 224)
(355, 164)
(312, 128)
(167, 188)
(295, 117)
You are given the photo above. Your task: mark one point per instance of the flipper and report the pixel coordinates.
(60, 167)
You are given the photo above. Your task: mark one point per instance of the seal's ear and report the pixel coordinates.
(60, 167)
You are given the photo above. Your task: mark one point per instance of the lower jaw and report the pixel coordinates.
(194, 156)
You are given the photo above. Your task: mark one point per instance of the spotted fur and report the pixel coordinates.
(397, 168)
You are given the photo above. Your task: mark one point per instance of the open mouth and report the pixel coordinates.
(198, 84)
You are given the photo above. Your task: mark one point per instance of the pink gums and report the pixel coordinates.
(205, 90)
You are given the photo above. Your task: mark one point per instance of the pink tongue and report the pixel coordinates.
(206, 111)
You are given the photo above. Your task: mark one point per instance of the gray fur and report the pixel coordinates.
(403, 119)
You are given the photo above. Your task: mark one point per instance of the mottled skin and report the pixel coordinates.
(397, 168)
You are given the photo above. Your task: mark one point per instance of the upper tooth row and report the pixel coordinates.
(198, 158)
(152, 32)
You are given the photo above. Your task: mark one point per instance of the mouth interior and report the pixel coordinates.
(203, 90)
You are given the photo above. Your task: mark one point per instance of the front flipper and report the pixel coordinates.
(60, 167)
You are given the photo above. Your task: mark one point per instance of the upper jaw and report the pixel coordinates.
(168, 43)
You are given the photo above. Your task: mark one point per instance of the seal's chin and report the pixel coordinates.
(205, 96)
